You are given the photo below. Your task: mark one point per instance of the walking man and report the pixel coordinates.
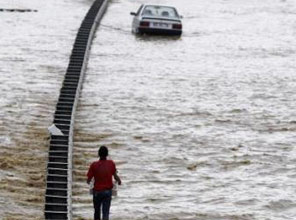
(102, 171)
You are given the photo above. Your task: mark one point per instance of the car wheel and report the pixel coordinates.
(139, 32)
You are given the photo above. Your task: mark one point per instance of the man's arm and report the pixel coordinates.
(89, 175)
(117, 178)
(88, 181)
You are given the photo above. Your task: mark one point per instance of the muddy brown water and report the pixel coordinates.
(201, 127)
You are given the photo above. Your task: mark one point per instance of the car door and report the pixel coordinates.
(136, 20)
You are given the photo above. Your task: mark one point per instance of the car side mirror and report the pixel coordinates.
(181, 16)
(133, 13)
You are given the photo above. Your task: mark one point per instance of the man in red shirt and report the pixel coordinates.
(102, 171)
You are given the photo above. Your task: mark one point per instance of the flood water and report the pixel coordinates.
(35, 49)
(201, 127)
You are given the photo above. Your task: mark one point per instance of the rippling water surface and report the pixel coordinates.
(35, 47)
(201, 127)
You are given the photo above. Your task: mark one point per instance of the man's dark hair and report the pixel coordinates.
(103, 152)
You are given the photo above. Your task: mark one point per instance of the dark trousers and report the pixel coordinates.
(102, 200)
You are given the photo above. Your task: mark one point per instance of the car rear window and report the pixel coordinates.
(160, 11)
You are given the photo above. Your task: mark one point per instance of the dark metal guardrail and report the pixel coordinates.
(58, 196)
(17, 10)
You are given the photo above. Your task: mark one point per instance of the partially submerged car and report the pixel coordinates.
(157, 19)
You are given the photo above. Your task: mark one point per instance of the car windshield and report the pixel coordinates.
(160, 11)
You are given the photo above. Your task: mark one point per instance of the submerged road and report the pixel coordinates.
(202, 127)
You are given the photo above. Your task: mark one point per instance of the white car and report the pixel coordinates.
(157, 19)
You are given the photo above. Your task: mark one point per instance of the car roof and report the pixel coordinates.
(158, 5)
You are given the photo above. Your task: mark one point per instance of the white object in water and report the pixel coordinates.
(114, 189)
(91, 187)
(53, 130)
